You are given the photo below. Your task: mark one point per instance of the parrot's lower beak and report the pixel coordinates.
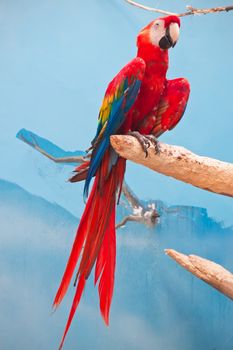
(166, 41)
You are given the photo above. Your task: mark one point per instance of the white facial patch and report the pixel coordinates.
(157, 32)
(174, 32)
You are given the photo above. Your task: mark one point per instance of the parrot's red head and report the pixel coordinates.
(162, 33)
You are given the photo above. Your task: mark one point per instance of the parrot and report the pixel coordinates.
(139, 101)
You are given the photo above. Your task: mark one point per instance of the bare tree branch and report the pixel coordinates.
(148, 218)
(148, 8)
(130, 196)
(208, 271)
(189, 12)
(126, 219)
(35, 145)
(74, 159)
(146, 215)
(142, 214)
(206, 173)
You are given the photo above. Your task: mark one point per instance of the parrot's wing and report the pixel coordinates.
(49, 149)
(119, 98)
(170, 109)
(172, 105)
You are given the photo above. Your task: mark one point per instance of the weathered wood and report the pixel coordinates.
(175, 161)
(146, 215)
(208, 271)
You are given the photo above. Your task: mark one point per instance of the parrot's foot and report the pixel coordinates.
(154, 142)
(145, 141)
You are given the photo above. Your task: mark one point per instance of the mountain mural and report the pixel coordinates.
(156, 304)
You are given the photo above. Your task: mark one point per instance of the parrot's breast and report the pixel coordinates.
(153, 83)
(148, 98)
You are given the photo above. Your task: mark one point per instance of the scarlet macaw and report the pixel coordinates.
(138, 100)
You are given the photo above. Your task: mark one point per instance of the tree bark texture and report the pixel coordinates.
(208, 271)
(175, 161)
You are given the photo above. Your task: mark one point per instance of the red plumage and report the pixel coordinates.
(76, 249)
(96, 233)
(139, 98)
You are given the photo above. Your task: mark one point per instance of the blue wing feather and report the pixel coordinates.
(119, 108)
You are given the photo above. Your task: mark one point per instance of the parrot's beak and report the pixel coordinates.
(170, 38)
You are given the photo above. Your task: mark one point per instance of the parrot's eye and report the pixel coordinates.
(156, 25)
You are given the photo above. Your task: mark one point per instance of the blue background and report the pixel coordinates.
(56, 60)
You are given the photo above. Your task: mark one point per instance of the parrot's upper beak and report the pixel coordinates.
(171, 36)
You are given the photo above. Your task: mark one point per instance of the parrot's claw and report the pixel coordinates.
(154, 142)
(145, 141)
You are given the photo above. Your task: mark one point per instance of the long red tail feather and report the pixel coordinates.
(96, 235)
(106, 284)
(77, 297)
(76, 250)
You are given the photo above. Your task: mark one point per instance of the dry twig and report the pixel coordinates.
(190, 10)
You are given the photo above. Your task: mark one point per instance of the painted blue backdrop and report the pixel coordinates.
(56, 60)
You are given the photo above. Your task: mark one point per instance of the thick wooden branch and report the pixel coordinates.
(206, 173)
(208, 271)
(190, 10)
